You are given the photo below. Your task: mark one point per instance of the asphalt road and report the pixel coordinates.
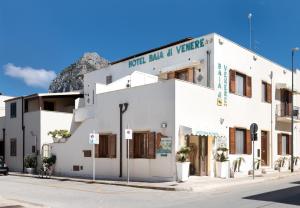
(52, 193)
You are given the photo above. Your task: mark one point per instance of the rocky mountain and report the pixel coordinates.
(71, 78)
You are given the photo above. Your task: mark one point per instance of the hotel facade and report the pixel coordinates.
(201, 92)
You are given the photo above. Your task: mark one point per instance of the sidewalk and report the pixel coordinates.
(195, 183)
(17, 204)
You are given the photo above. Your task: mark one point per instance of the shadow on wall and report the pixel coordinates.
(285, 196)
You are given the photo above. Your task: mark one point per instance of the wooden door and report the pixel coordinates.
(264, 148)
(203, 155)
(198, 155)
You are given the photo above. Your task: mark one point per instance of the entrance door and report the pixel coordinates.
(198, 155)
(264, 148)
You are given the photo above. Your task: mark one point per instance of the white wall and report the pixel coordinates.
(149, 106)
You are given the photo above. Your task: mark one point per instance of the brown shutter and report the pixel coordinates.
(248, 143)
(279, 144)
(232, 140)
(112, 146)
(171, 75)
(248, 86)
(151, 145)
(97, 150)
(101, 146)
(232, 81)
(190, 75)
(131, 147)
(269, 93)
(289, 145)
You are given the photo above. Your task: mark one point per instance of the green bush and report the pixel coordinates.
(30, 161)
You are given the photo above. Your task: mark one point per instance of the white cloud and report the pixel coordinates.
(32, 77)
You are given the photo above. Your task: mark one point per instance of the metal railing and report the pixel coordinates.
(285, 110)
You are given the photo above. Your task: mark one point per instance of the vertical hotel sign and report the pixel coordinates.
(222, 85)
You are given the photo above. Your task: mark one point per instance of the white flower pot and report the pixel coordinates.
(183, 171)
(222, 169)
(30, 170)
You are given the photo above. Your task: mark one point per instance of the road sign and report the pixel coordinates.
(253, 128)
(94, 138)
(128, 133)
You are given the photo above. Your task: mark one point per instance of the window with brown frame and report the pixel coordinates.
(266, 92)
(143, 145)
(240, 84)
(107, 146)
(184, 74)
(240, 141)
(284, 144)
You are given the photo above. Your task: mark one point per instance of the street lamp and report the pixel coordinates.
(292, 114)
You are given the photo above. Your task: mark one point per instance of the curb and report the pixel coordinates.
(95, 182)
(202, 187)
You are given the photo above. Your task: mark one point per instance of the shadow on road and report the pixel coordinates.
(285, 196)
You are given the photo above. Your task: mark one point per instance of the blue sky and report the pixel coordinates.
(51, 34)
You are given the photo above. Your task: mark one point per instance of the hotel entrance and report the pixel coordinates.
(198, 155)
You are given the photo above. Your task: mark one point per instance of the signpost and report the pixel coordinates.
(128, 136)
(93, 139)
(253, 131)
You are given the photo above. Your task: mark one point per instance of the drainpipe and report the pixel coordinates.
(3, 132)
(208, 67)
(23, 131)
(122, 111)
(271, 138)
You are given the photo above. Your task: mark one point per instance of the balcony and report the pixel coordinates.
(284, 112)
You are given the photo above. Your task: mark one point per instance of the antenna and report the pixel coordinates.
(250, 30)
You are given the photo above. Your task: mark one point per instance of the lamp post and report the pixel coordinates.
(250, 30)
(292, 114)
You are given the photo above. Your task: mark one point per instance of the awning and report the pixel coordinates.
(197, 132)
(184, 65)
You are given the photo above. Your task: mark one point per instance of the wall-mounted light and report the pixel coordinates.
(164, 125)
(221, 42)
(254, 58)
(222, 120)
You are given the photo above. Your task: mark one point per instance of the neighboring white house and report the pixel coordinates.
(207, 93)
(29, 119)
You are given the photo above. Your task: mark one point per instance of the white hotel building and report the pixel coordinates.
(203, 92)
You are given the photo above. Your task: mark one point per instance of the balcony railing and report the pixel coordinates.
(285, 110)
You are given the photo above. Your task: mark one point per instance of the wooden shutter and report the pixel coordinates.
(112, 146)
(97, 150)
(151, 145)
(269, 93)
(279, 144)
(232, 141)
(101, 146)
(171, 75)
(248, 143)
(190, 72)
(131, 147)
(248, 86)
(232, 81)
(289, 144)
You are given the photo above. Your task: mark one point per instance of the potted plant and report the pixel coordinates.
(30, 163)
(237, 164)
(222, 163)
(59, 135)
(183, 164)
(49, 164)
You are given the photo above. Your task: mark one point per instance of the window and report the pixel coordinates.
(240, 141)
(26, 106)
(184, 74)
(240, 137)
(284, 144)
(13, 110)
(49, 106)
(266, 93)
(107, 146)
(108, 79)
(143, 145)
(240, 84)
(13, 147)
